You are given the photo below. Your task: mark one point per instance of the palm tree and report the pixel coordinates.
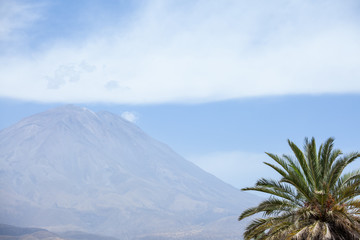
(313, 199)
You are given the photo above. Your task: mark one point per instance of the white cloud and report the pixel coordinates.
(240, 169)
(130, 116)
(63, 75)
(200, 51)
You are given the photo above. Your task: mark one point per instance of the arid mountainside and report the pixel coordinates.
(70, 169)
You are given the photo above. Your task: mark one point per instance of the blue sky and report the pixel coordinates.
(221, 82)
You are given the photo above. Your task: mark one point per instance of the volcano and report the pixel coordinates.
(71, 169)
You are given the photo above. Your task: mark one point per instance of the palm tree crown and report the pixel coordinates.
(313, 199)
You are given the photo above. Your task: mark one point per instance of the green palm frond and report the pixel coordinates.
(339, 166)
(313, 199)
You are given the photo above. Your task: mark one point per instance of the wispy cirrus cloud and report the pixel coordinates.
(197, 51)
(15, 17)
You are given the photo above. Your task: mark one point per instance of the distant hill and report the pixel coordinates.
(8, 232)
(70, 169)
